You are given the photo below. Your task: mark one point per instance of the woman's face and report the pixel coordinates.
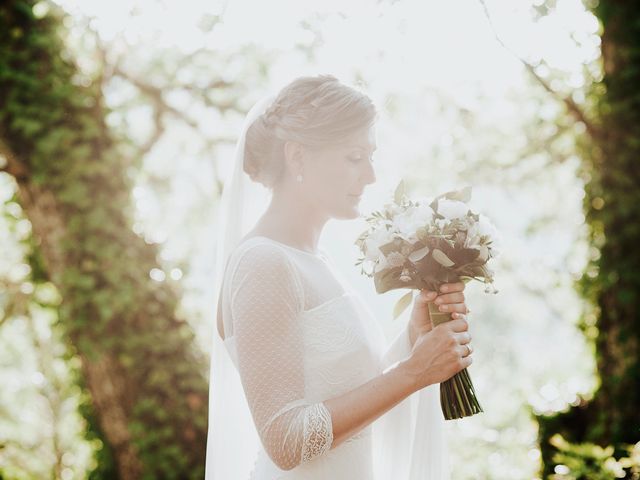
(335, 176)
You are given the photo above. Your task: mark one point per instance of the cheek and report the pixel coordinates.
(332, 176)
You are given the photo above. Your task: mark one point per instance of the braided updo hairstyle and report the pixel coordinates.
(313, 111)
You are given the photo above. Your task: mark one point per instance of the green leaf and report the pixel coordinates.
(418, 254)
(399, 193)
(440, 257)
(463, 195)
(402, 304)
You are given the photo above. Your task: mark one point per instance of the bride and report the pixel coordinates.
(303, 383)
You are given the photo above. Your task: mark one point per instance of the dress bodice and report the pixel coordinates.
(341, 346)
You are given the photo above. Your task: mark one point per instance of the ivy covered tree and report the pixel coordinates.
(611, 281)
(146, 380)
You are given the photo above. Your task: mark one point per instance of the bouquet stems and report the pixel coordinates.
(457, 395)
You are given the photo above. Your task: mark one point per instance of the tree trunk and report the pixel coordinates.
(611, 282)
(147, 384)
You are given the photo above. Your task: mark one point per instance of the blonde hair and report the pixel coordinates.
(313, 111)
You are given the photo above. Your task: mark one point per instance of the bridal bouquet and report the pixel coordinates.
(422, 244)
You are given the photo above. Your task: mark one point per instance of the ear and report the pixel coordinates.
(293, 156)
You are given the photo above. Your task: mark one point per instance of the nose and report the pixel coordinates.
(370, 174)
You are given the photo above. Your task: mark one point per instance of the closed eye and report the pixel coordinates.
(358, 159)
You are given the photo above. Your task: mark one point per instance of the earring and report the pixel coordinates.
(299, 178)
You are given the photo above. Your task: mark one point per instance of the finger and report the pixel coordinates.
(458, 315)
(463, 338)
(454, 307)
(466, 361)
(457, 297)
(457, 325)
(427, 295)
(464, 351)
(452, 287)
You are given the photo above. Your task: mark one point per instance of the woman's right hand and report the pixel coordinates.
(439, 354)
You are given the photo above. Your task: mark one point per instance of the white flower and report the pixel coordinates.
(424, 213)
(483, 228)
(423, 201)
(381, 265)
(486, 228)
(408, 222)
(441, 223)
(451, 209)
(393, 209)
(378, 237)
(496, 246)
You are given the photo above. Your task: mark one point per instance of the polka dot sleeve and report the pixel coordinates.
(266, 301)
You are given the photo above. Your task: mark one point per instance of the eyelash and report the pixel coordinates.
(356, 160)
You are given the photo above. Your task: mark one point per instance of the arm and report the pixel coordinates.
(431, 358)
(265, 304)
(361, 406)
(356, 409)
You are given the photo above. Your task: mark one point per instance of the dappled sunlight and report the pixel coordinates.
(456, 108)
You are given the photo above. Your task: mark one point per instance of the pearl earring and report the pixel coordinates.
(299, 178)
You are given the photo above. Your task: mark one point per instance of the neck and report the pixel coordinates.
(292, 220)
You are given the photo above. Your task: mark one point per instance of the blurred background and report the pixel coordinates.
(117, 126)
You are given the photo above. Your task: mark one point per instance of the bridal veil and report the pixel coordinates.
(409, 440)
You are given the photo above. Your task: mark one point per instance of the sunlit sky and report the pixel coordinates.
(427, 50)
(414, 39)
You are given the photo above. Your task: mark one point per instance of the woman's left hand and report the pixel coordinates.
(450, 299)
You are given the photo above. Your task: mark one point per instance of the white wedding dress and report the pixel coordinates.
(301, 336)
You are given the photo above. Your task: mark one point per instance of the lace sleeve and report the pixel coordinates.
(266, 300)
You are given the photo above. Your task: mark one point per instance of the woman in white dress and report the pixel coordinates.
(303, 383)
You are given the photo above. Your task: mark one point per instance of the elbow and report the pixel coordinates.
(287, 466)
(282, 460)
(293, 441)
(282, 451)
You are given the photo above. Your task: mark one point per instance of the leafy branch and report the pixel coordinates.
(573, 108)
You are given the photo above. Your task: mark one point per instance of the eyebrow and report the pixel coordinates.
(362, 147)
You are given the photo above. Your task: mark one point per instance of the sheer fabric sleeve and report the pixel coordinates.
(266, 300)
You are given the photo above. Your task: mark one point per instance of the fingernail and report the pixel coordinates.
(431, 295)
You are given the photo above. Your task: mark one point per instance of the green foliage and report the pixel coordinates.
(56, 129)
(611, 281)
(587, 461)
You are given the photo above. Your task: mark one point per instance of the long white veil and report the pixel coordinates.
(232, 440)
(409, 441)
